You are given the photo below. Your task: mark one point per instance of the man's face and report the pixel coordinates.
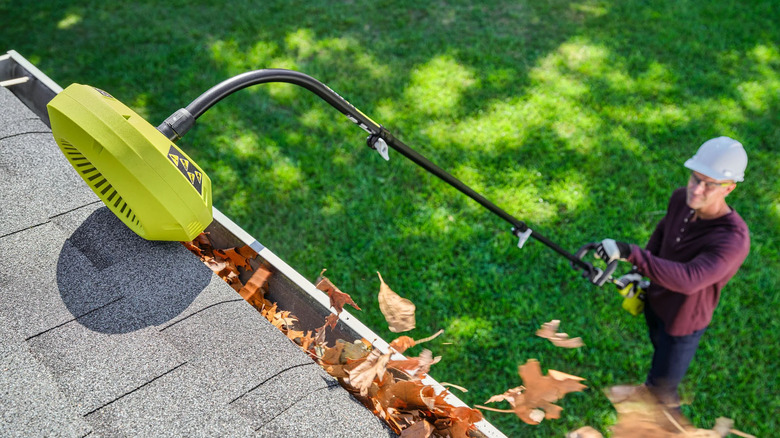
(704, 191)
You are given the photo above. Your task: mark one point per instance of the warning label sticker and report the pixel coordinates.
(192, 174)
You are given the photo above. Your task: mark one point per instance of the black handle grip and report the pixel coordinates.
(607, 274)
(595, 275)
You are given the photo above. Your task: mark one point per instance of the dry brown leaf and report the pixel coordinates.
(247, 252)
(332, 355)
(462, 420)
(252, 292)
(203, 241)
(398, 312)
(306, 341)
(193, 248)
(509, 396)
(549, 330)
(538, 392)
(452, 385)
(338, 299)
(331, 320)
(416, 365)
(420, 429)
(294, 334)
(403, 343)
(362, 376)
(236, 256)
(407, 395)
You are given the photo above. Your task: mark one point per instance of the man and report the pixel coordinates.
(694, 251)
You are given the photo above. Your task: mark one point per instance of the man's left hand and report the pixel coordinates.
(610, 249)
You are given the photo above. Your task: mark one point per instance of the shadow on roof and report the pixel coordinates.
(113, 281)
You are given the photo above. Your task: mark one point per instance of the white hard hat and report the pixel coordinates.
(721, 158)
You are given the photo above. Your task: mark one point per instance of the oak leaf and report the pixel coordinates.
(398, 311)
(539, 392)
(549, 331)
(252, 291)
(338, 299)
(239, 257)
(331, 320)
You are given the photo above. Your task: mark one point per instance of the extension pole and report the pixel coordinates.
(175, 126)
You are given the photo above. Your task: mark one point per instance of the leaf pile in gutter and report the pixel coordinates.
(392, 388)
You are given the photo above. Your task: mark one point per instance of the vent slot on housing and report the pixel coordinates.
(100, 185)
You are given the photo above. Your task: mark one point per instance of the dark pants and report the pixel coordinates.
(671, 357)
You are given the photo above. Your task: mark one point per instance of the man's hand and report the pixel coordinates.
(631, 277)
(610, 250)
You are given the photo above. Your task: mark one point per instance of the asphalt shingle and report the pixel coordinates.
(31, 403)
(30, 278)
(38, 182)
(97, 367)
(178, 403)
(224, 341)
(13, 111)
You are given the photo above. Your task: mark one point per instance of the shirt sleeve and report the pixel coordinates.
(709, 267)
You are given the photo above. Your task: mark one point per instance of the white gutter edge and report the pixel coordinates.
(41, 76)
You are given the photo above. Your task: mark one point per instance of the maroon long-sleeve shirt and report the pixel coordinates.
(689, 262)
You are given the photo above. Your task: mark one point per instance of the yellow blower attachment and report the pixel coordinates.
(148, 182)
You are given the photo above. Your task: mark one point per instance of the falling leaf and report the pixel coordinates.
(452, 385)
(338, 299)
(509, 396)
(557, 375)
(538, 392)
(403, 343)
(399, 312)
(549, 330)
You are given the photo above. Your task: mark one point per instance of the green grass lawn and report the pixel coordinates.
(575, 116)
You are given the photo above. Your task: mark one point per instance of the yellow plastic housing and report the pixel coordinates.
(151, 185)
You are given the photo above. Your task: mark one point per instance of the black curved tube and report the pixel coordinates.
(175, 126)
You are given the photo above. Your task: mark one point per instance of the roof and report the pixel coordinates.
(103, 333)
